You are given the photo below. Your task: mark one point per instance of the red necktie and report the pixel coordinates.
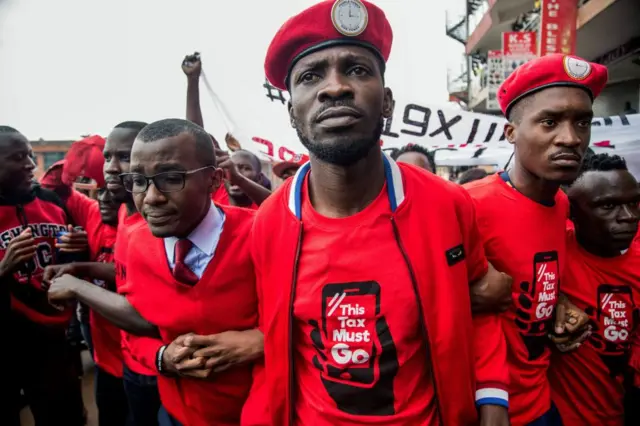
(181, 271)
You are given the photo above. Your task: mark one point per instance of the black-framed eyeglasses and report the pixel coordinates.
(165, 182)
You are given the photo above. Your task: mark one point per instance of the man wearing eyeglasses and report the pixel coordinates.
(189, 278)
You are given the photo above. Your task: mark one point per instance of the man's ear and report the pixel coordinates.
(216, 179)
(292, 118)
(510, 133)
(388, 104)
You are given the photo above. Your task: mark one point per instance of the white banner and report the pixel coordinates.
(414, 121)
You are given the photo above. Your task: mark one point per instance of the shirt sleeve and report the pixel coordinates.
(492, 372)
(490, 346)
(83, 210)
(145, 350)
(477, 264)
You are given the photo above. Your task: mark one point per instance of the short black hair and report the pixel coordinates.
(471, 175)
(516, 112)
(9, 135)
(254, 159)
(418, 149)
(602, 163)
(132, 125)
(172, 127)
(8, 129)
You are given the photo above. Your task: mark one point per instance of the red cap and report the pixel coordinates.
(551, 71)
(327, 24)
(85, 158)
(296, 162)
(52, 178)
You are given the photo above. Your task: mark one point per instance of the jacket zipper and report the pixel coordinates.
(423, 324)
(291, 305)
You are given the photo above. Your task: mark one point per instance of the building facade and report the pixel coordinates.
(607, 33)
(46, 153)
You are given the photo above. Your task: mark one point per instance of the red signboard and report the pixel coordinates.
(522, 43)
(558, 20)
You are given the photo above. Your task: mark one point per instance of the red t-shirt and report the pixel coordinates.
(138, 352)
(102, 239)
(525, 240)
(221, 197)
(360, 354)
(587, 384)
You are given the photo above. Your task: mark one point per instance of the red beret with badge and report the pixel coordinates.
(327, 24)
(556, 70)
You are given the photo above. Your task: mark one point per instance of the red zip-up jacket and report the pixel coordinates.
(43, 212)
(430, 217)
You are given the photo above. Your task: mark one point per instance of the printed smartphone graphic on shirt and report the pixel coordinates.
(536, 303)
(615, 323)
(356, 353)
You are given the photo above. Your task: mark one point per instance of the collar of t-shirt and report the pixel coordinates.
(505, 177)
(205, 239)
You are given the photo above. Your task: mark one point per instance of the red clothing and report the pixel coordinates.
(139, 353)
(587, 384)
(525, 240)
(438, 268)
(221, 197)
(223, 299)
(44, 213)
(105, 336)
(358, 322)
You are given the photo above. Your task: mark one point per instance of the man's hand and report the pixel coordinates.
(175, 353)
(19, 250)
(63, 289)
(218, 352)
(494, 415)
(571, 326)
(74, 241)
(223, 159)
(55, 271)
(192, 66)
(492, 293)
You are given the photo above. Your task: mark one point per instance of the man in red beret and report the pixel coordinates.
(364, 281)
(522, 216)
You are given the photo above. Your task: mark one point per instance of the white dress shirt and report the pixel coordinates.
(205, 239)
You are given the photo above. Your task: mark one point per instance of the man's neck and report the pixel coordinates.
(337, 191)
(240, 201)
(595, 248)
(539, 190)
(131, 207)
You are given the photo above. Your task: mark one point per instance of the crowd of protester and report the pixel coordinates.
(364, 290)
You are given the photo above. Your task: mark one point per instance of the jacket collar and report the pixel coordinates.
(395, 187)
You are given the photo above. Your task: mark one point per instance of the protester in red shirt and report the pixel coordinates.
(41, 363)
(191, 262)
(354, 265)
(602, 277)
(100, 220)
(138, 375)
(521, 214)
(241, 186)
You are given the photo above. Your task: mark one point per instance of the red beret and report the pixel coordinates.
(327, 24)
(85, 158)
(551, 71)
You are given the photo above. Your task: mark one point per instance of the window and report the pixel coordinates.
(52, 157)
